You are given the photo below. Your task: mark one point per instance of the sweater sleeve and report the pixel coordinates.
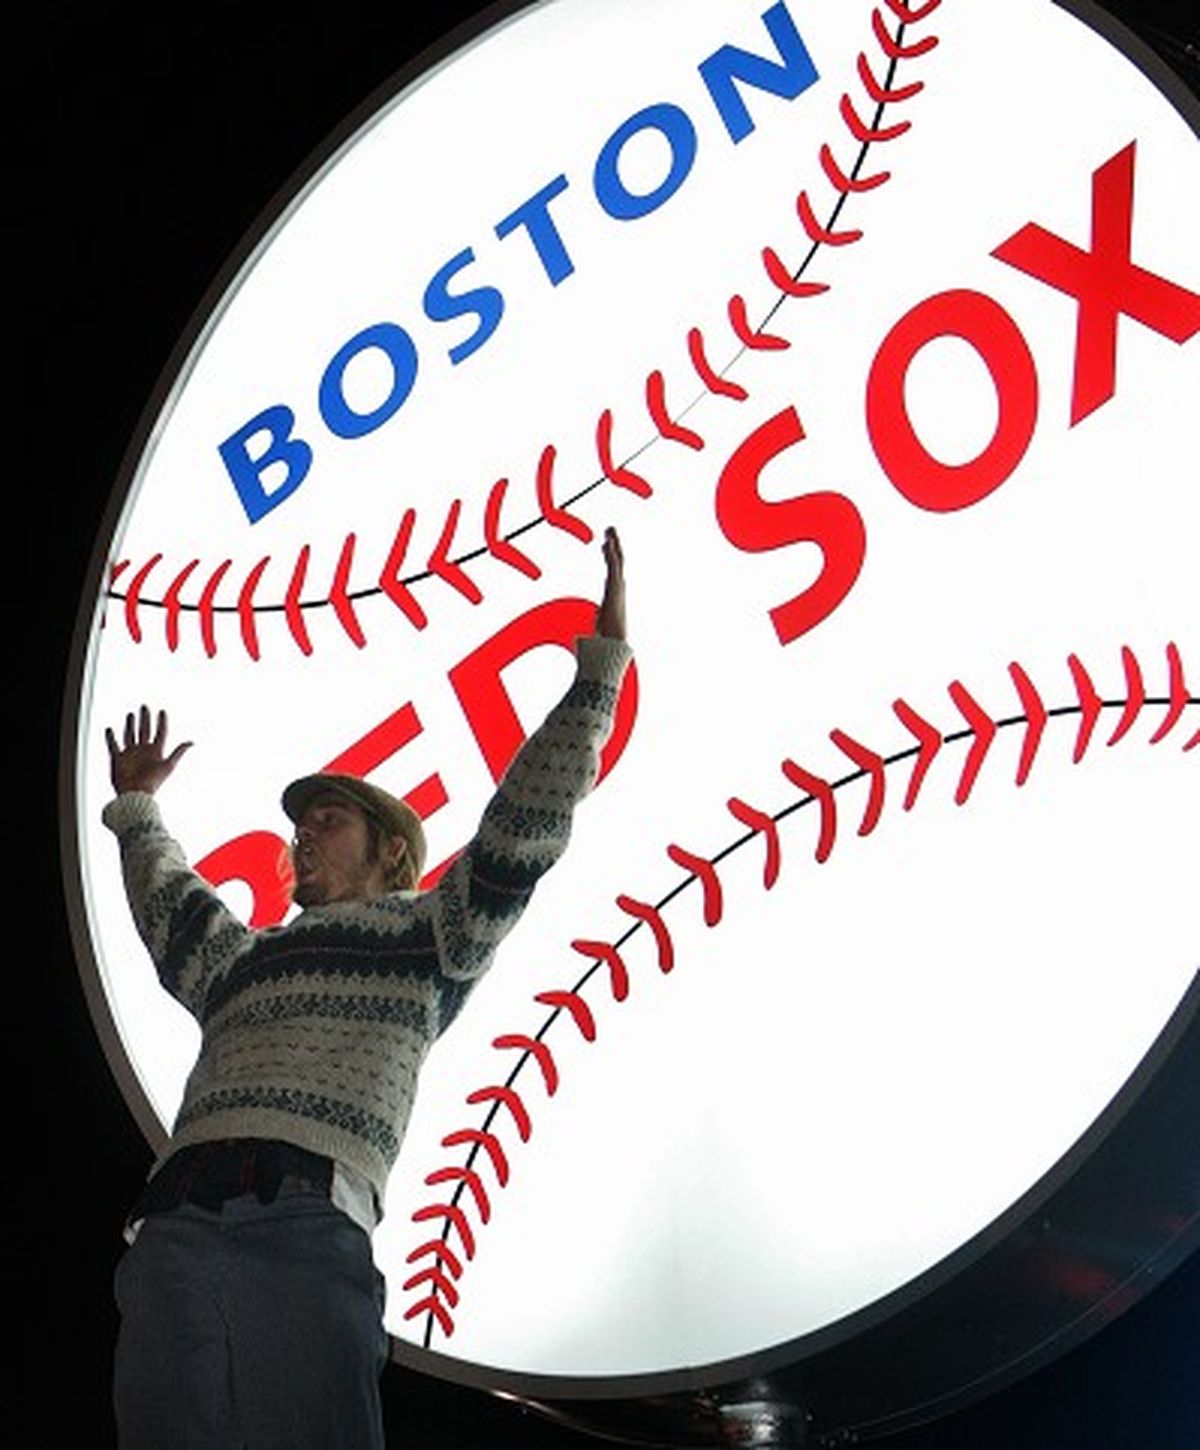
(190, 933)
(527, 823)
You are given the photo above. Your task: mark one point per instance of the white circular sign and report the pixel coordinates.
(873, 330)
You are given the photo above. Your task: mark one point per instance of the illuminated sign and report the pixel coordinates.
(872, 329)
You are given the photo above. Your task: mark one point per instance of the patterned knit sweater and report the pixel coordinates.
(313, 1032)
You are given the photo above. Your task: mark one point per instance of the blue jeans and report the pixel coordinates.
(259, 1327)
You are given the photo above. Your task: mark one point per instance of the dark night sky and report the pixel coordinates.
(144, 150)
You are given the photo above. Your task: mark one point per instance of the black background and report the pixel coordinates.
(143, 148)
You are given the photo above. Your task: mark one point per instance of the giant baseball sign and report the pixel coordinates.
(873, 330)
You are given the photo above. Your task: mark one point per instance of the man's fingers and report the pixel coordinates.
(614, 563)
(610, 616)
(176, 754)
(137, 734)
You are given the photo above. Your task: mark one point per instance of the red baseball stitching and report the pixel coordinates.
(660, 415)
(453, 1214)
(711, 379)
(439, 1250)
(580, 1012)
(442, 563)
(762, 824)
(470, 1179)
(982, 727)
(476, 1138)
(617, 473)
(750, 337)
(291, 603)
(556, 516)
(618, 972)
(502, 548)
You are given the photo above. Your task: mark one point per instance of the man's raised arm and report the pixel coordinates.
(527, 824)
(178, 915)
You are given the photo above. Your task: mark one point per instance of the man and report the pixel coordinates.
(251, 1308)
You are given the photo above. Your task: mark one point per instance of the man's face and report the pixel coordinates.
(332, 856)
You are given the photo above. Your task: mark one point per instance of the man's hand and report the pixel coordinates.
(140, 763)
(610, 617)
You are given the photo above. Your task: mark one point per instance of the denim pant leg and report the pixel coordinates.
(306, 1327)
(259, 1328)
(172, 1379)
